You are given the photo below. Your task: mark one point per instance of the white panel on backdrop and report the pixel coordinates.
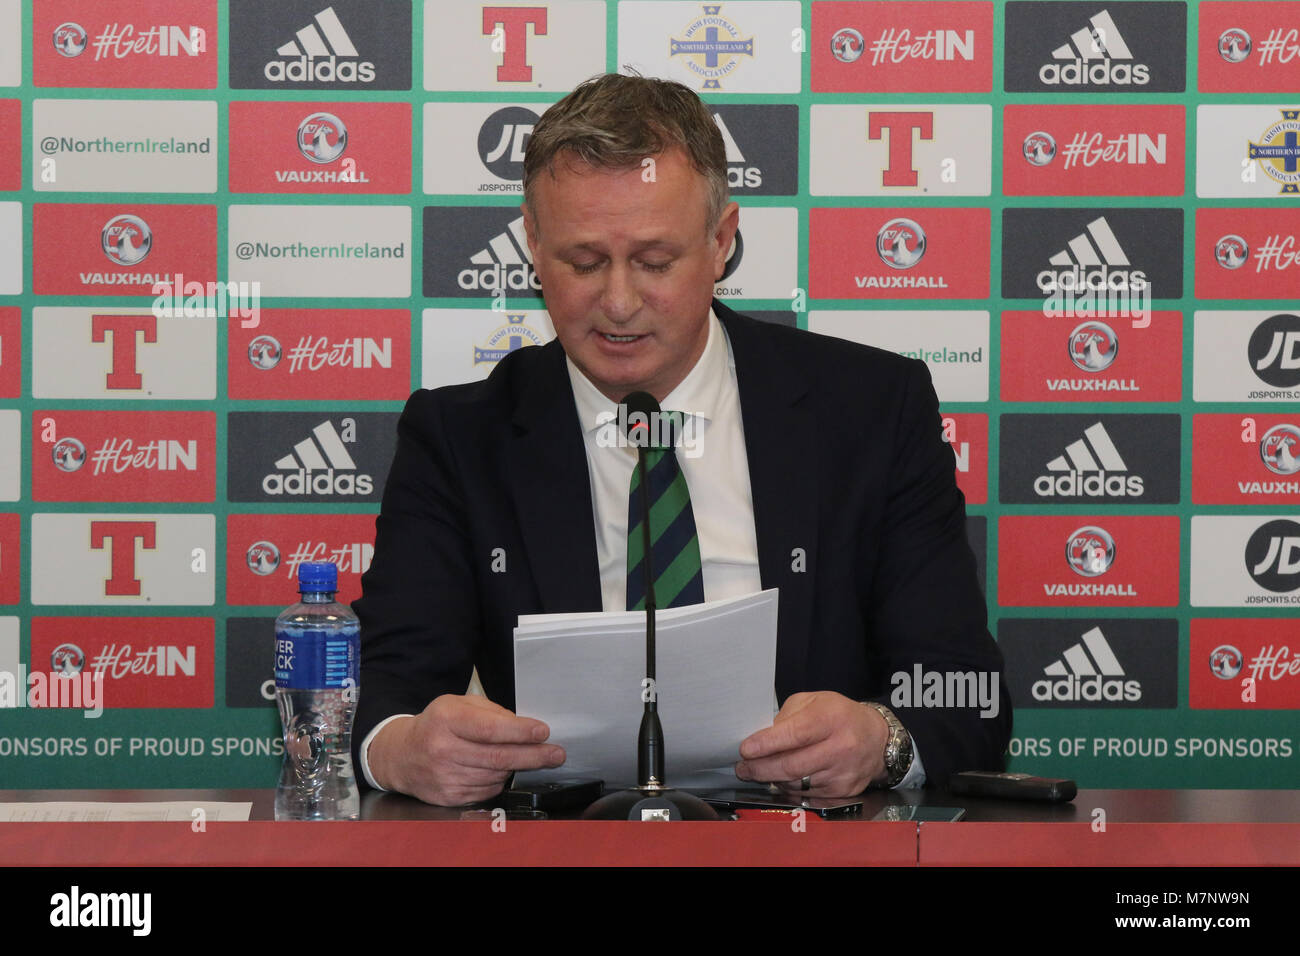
(743, 47)
(11, 456)
(885, 149)
(123, 560)
(763, 263)
(473, 149)
(955, 345)
(125, 146)
(527, 46)
(1240, 561)
(168, 358)
(11, 248)
(322, 251)
(1225, 138)
(464, 345)
(11, 43)
(1223, 369)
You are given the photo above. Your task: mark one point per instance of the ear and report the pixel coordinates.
(723, 236)
(530, 230)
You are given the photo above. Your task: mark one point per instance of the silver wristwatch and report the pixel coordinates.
(898, 750)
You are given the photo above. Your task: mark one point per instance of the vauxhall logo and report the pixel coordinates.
(1273, 555)
(1096, 55)
(1091, 466)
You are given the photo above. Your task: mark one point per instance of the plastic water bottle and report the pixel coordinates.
(317, 652)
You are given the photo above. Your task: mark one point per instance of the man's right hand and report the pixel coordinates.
(461, 750)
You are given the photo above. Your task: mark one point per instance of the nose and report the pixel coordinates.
(619, 299)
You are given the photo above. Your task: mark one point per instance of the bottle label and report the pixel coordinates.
(317, 659)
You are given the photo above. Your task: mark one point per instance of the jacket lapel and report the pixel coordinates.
(552, 490)
(781, 444)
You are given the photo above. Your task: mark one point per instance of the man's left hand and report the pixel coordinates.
(838, 743)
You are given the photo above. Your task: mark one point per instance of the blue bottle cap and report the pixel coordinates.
(316, 576)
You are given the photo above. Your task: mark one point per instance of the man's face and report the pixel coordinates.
(628, 268)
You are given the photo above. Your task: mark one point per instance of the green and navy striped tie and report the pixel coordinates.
(675, 549)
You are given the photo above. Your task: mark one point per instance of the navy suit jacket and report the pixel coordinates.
(858, 517)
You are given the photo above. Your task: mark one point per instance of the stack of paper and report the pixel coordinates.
(584, 675)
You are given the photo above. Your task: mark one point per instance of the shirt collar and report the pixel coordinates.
(698, 394)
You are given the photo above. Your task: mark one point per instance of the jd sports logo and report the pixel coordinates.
(1124, 459)
(502, 139)
(1117, 47)
(1274, 350)
(1273, 555)
(319, 44)
(1088, 670)
(309, 456)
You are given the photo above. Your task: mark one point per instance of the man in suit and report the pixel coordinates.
(822, 474)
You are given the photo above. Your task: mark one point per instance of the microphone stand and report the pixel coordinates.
(650, 799)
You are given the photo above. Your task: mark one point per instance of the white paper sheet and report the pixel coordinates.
(716, 668)
(113, 812)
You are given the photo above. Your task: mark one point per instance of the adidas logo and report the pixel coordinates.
(503, 264)
(1095, 55)
(1088, 670)
(312, 468)
(1093, 259)
(738, 174)
(314, 55)
(1081, 471)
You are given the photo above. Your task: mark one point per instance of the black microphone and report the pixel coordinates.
(651, 799)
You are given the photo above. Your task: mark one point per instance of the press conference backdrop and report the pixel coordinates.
(942, 179)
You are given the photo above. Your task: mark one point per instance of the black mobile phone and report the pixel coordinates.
(557, 796)
(1012, 786)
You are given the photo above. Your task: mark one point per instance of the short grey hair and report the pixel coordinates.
(615, 121)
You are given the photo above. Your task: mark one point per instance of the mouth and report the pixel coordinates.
(608, 337)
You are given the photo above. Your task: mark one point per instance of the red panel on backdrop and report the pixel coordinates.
(263, 552)
(320, 148)
(146, 661)
(969, 437)
(125, 456)
(1247, 253)
(120, 248)
(901, 253)
(1248, 47)
(11, 352)
(155, 44)
(1088, 560)
(1246, 459)
(11, 559)
(1244, 664)
(902, 47)
(322, 354)
(1085, 359)
(1094, 150)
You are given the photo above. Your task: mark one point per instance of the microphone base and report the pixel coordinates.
(650, 804)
